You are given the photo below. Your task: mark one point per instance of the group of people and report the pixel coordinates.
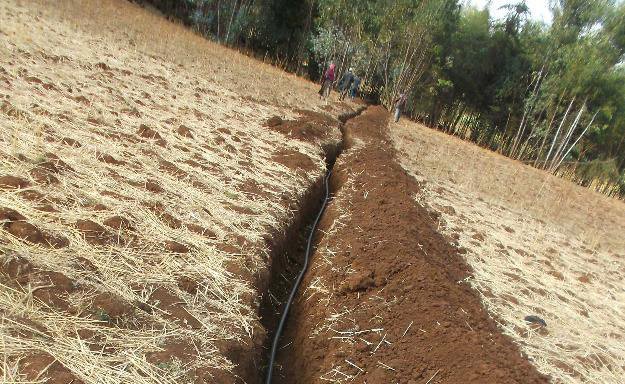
(349, 84)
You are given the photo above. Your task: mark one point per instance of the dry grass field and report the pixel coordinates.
(141, 190)
(538, 245)
(138, 185)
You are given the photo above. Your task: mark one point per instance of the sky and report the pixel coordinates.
(539, 9)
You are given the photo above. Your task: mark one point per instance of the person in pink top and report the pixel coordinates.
(326, 81)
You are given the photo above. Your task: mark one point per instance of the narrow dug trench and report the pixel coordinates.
(383, 299)
(287, 249)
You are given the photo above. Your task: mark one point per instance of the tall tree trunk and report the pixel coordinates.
(575, 143)
(527, 144)
(218, 20)
(232, 13)
(555, 138)
(568, 135)
(306, 33)
(544, 141)
(459, 116)
(527, 112)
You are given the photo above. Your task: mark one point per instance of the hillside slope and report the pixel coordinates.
(140, 194)
(538, 245)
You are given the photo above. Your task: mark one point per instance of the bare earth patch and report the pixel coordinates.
(383, 300)
(538, 245)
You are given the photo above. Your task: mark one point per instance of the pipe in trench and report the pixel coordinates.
(326, 181)
(300, 276)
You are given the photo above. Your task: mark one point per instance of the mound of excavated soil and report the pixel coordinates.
(384, 301)
(538, 245)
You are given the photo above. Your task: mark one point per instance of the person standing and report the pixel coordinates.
(399, 103)
(326, 81)
(354, 89)
(346, 83)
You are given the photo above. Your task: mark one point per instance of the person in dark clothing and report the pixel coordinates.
(355, 85)
(326, 81)
(346, 83)
(399, 103)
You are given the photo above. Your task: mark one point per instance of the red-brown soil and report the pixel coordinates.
(393, 273)
(55, 371)
(118, 223)
(95, 234)
(314, 128)
(13, 182)
(15, 224)
(311, 127)
(52, 287)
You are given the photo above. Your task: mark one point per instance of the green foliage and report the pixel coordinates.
(602, 170)
(103, 316)
(546, 94)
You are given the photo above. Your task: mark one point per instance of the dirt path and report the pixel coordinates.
(383, 301)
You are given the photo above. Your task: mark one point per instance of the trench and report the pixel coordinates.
(287, 257)
(404, 290)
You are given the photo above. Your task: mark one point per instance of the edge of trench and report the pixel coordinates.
(285, 258)
(428, 282)
(311, 207)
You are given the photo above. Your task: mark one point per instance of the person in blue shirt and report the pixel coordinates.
(346, 83)
(354, 89)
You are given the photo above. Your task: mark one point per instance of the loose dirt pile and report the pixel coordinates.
(139, 198)
(538, 245)
(384, 300)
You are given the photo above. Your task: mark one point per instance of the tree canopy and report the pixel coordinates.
(549, 95)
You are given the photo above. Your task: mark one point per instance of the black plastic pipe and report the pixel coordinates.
(285, 312)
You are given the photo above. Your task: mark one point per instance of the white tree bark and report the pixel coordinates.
(555, 138)
(234, 9)
(575, 143)
(567, 137)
